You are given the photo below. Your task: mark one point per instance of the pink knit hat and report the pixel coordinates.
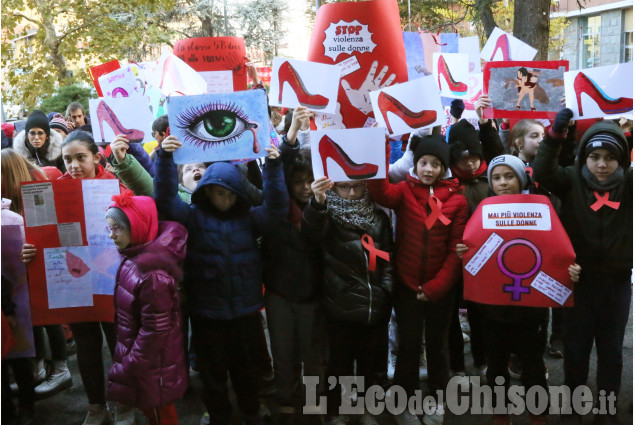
(142, 215)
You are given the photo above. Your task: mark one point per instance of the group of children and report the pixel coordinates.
(198, 241)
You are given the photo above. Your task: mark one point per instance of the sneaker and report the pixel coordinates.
(407, 418)
(124, 415)
(368, 419)
(423, 366)
(338, 420)
(97, 415)
(57, 381)
(40, 373)
(436, 418)
(392, 362)
(556, 348)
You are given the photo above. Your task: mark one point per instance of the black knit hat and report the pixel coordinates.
(456, 108)
(463, 139)
(432, 145)
(605, 135)
(37, 119)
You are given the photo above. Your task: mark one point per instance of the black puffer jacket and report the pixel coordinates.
(350, 291)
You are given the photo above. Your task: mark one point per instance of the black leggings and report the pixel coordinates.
(57, 341)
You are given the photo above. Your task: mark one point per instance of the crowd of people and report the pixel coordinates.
(360, 277)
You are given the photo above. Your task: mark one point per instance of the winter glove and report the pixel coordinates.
(561, 123)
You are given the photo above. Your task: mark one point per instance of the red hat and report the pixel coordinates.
(141, 212)
(8, 129)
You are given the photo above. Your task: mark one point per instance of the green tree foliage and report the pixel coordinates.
(68, 32)
(65, 95)
(259, 23)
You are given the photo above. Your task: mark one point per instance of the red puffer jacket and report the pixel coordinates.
(149, 367)
(425, 257)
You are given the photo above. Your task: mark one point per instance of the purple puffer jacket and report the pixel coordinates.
(149, 367)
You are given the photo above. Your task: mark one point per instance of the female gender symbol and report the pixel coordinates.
(516, 288)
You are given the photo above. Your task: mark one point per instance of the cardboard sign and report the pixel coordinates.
(415, 57)
(451, 71)
(502, 46)
(219, 60)
(301, 83)
(370, 31)
(518, 254)
(121, 83)
(600, 92)
(97, 71)
(405, 107)
(129, 116)
(220, 127)
(72, 277)
(524, 89)
(349, 155)
(14, 271)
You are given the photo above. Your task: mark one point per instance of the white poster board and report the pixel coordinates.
(471, 47)
(451, 72)
(127, 116)
(121, 82)
(502, 46)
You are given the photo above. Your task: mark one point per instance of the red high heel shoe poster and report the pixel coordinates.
(600, 92)
(301, 83)
(128, 116)
(371, 33)
(524, 89)
(451, 71)
(72, 277)
(219, 60)
(349, 155)
(501, 46)
(518, 254)
(410, 106)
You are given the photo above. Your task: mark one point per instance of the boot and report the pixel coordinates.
(60, 379)
(97, 415)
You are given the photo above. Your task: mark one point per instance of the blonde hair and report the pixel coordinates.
(519, 131)
(15, 170)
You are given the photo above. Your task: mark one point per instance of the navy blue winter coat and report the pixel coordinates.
(223, 268)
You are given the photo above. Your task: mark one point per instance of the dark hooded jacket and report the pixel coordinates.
(602, 239)
(223, 268)
(149, 367)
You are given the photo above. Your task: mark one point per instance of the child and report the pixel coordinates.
(431, 216)
(514, 329)
(189, 176)
(81, 157)
(357, 284)
(597, 213)
(149, 369)
(223, 280)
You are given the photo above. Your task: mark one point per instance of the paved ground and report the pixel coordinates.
(68, 407)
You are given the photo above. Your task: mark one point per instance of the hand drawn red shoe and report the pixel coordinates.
(457, 88)
(105, 114)
(608, 105)
(503, 44)
(288, 74)
(329, 149)
(387, 103)
(76, 266)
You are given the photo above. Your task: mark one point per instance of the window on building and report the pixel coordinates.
(591, 41)
(627, 52)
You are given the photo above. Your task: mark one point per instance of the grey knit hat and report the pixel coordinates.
(516, 164)
(119, 217)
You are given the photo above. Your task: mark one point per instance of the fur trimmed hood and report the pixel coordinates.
(54, 149)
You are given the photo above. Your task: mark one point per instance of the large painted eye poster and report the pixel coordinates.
(219, 60)
(518, 254)
(220, 127)
(600, 92)
(366, 37)
(72, 276)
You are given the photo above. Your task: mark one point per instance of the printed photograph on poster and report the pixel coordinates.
(14, 274)
(129, 116)
(470, 47)
(301, 83)
(415, 57)
(220, 127)
(599, 92)
(349, 155)
(220, 61)
(451, 73)
(120, 83)
(39, 204)
(501, 46)
(405, 107)
(520, 89)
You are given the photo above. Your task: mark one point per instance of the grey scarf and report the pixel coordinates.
(356, 215)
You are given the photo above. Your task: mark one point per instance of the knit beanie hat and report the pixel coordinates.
(59, 123)
(37, 119)
(605, 135)
(119, 217)
(8, 129)
(516, 164)
(432, 145)
(463, 139)
(141, 214)
(456, 108)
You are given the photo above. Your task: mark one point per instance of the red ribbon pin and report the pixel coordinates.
(373, 253)
(435, 212)
(604, 200)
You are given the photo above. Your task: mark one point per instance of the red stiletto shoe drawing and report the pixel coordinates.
(105, 114)
(329, 149)
(608, 105)
(457, 88)
(503, 44)
(469, 103)
(76, 266)
(387, 103)
(288, 74)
